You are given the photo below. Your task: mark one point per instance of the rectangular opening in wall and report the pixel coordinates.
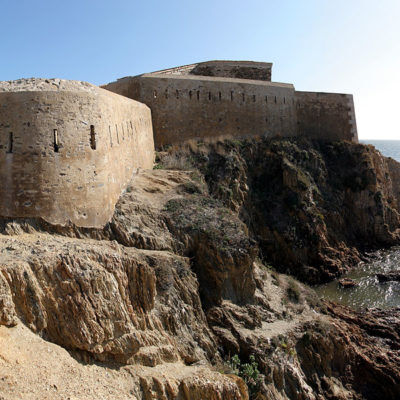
(109, 131)
(55, 141)
(275, 99)
(254, 98)
(219, 96)
(177, 94)
(266, 99)
(243, 97)
(155, 94)
(198, 95)
(166, 93)
(116, 130)
(92, 137)
(10, 144)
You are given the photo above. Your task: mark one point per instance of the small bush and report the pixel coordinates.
(248, 371)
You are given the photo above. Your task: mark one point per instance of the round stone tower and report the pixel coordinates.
(68, 150)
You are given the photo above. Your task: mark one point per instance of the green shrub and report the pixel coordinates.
(248, 371)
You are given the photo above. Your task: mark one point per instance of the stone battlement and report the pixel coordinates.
(68, 149)
(235, 98)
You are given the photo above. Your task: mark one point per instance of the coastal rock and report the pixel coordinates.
(177, 283)
(388, 276)
(312, 206)
(347, 283)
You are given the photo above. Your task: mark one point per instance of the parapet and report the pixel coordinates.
(235, 99)
(68, 149)
(224, 69)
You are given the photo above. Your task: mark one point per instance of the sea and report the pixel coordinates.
(389, 148)
(369, 293)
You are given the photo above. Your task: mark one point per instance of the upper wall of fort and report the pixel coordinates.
(206, 107)
(235, 98)
(326, 115)
(68, 150)
(224, 69)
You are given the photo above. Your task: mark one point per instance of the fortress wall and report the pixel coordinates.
(234, 69)
(67, 156)
(329, 116)
(200, 107)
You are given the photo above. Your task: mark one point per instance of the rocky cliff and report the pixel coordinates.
(184, 277)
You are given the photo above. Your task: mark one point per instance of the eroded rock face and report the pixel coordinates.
(173, 287)
(311, 206)
(112, 302)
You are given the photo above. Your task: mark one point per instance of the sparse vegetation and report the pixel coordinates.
(248, 372)
(293, 290)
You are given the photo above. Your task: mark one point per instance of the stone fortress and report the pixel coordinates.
(68, 149)
(235, 98)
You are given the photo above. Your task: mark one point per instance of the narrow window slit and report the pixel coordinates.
(190, 94)
(219, 96)
(243, 97)
(92, 137)
(166, 93)
(254, 98)
(155, 94)
(109, 131)
(198, 95)
(10, 143)
(116, 130)
(55, 141)
(177, 94)
(209, 95)
(275, 99)
(266, 99)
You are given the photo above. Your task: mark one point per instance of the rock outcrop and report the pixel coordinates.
(159, 300)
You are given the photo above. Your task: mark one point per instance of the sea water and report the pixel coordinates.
(389, 148)
(369, 292)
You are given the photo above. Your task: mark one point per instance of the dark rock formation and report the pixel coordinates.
(389, 276)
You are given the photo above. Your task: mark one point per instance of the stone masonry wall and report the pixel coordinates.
(68, 155)
(197, 107)
(234, 69)
(328, 116)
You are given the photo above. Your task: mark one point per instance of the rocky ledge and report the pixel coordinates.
(187, 293)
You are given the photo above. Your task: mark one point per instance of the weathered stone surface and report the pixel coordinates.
(311, 206)
(68, 150)
(217, 99)
(100, 298)
(162, 319)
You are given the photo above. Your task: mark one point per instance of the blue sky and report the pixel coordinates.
(348, 46)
